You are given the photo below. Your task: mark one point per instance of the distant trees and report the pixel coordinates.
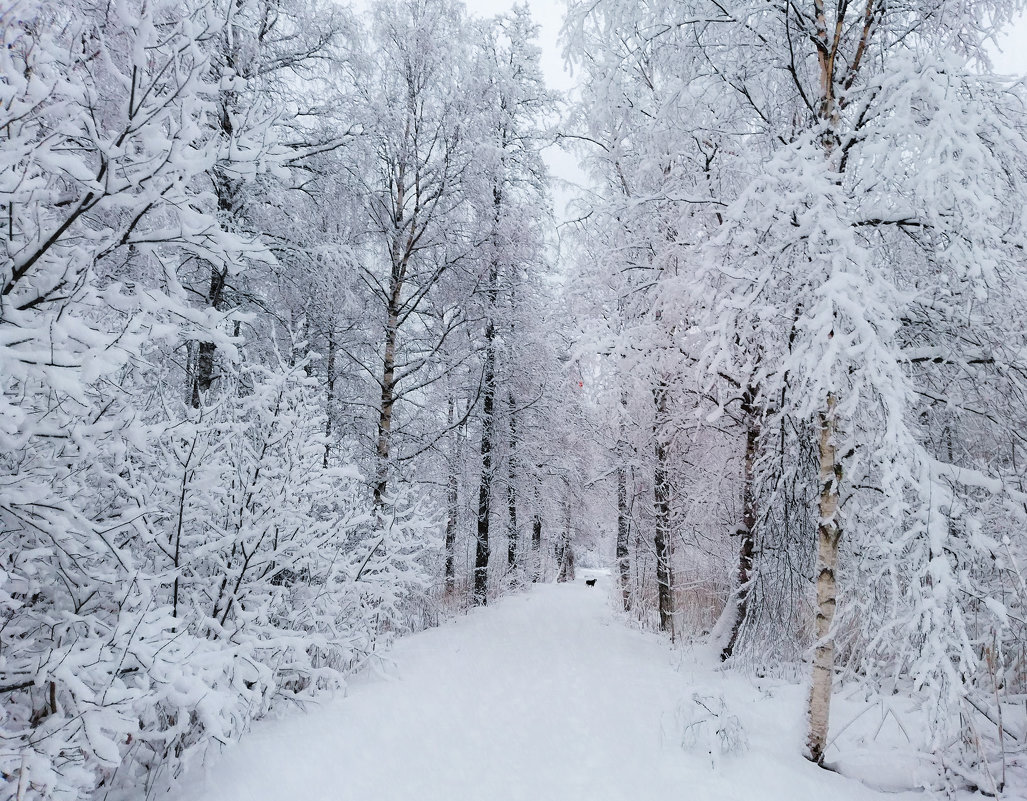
(653, 200)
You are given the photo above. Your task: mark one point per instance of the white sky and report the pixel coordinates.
(549, 15)
(1012, 60)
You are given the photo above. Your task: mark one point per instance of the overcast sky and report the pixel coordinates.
(1012, 59)
(549, 15)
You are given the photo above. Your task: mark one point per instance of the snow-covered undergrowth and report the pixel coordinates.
(887, 742)
(224, 572)
(883, 742)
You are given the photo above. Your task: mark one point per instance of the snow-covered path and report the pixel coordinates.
(544, 695)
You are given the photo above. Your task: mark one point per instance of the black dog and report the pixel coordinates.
(590, 582)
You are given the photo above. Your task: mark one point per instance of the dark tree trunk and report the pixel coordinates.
(452, 503)
(661, 540)
(229, 194)
(536, 546)
(565, 552)
(329, 397)
(482, 547)
(747, 533)
(203, 369)
(512, 536)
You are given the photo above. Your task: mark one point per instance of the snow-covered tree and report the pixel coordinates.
(516, 104)
(105, 199)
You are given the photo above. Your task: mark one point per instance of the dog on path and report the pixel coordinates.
(590, 582)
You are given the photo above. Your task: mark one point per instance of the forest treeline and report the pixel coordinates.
(294, 359)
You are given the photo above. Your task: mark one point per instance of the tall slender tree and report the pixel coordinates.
(518, 103)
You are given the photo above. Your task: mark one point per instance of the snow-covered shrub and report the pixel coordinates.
(703, 724)
(93, 668)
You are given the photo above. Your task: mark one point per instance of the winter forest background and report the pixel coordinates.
(295, 358)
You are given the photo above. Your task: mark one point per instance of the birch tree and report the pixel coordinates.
(517, 104)
(415, 122)
(262, 55)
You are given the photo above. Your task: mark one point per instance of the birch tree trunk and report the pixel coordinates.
(623, 534)
(623, 552)
(388, 397)
(226, 191)
(402, 239)
(512, 544)
(830, 471)
(565, 550)
(330, 397)
(452, 503)
(536, 545)
(829, 536)
(203, 373)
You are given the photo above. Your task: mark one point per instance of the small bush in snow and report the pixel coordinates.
(703, 724)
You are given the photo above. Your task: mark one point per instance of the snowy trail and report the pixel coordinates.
(541, 696)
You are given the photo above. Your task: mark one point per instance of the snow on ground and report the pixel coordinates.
(544, 695)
